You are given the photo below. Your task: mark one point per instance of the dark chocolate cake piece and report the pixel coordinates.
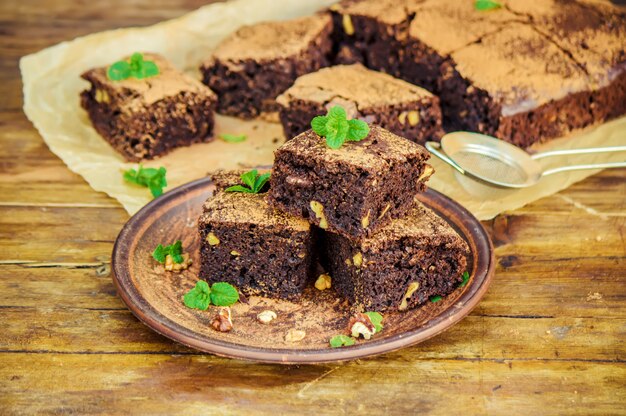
(402, 108)
(401, 266)
(250, 68)
(250, 245)
(146, 118)
(354, 190)
(526, 72)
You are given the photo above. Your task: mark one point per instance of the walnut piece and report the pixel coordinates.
(357, 259)
(428, 171)
(212, 239)
(413, 117)
(177, 267)
(318, 209)
(295, 335)
(102, 96)
(361, 324)
(413, 286)
(266, 317)
(348, 27)
(323, 282)
(365, 221)
(222, 321)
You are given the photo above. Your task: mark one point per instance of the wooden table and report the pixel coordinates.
(549, 337)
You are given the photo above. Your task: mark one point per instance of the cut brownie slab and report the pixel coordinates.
(254, 247)
(400, 107)
(354, 190)
(146, 118)
(249, 69)
(401, 266)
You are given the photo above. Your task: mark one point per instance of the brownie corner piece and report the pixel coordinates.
(146, 118)
(248, 244)
(375, 97)
(353, 190)
(401, 266)
(251, 67)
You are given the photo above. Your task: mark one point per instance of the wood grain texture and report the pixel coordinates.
(548, 337)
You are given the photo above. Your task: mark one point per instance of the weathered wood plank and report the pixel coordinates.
(149, 384)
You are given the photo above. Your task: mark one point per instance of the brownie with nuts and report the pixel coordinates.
(254, 247)
(250, 68)
(354, 190)
(526, 72)
(402, 108)
(146, 118)
(400, 267)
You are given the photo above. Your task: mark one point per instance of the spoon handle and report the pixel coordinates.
(607, 149)
(582, 167)
(433, 147)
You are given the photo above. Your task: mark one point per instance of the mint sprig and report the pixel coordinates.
(135, 67)
(151, 178)
(253, 182)
(337, 129)
(233, 138)
(219, 294)
(484, 5)
(174, 250)
(341, 341)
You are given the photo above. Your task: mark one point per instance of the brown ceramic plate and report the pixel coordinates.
(155, 296)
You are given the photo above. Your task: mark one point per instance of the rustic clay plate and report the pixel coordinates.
(155, 296)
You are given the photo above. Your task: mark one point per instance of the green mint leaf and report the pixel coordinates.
(239, 188)
(336, 132)
(435, 299)
(318, 124)
(176, 251)
(149, 69)
(253, 181)
(199, 296)
(248, 178)
(466, 278)
(232, 138)
(160, 253)
(119, 71)
(358, 130)
(151, 178)
(341, 341)
(136, 62)
(377, 320)
(337, 113)
(260, 181)
(223, 294)
(484, 5)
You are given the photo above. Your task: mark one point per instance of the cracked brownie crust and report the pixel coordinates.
(253, 66)
(402, 108)
(146, 118)
(400, 267)
(354, 190)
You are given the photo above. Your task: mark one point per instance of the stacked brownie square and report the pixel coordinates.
(353, 208)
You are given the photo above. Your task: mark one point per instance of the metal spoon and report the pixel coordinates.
(500, 164)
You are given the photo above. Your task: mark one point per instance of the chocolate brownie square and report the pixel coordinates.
(402, 108)
(401, 266)
(354, 190)
(250, 68)
(250, 245)
(146, 118)
(519, 86)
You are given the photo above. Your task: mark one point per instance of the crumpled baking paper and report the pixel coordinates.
(52, 85)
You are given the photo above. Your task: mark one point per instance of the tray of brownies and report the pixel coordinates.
(339, 249)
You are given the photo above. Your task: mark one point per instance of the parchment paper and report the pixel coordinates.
(52, 85)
